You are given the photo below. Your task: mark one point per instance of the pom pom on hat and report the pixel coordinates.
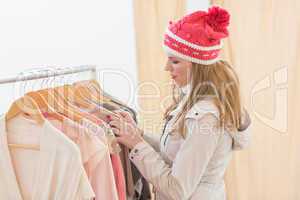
(218, 18)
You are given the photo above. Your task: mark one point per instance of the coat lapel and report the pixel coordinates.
(43, 175)
(43, 178)
(9, 179)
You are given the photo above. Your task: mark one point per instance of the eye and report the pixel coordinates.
(175, 62)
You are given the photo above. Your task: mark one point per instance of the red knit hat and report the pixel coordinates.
(197, 37)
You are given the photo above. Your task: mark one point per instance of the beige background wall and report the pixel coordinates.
(151, 19)
(264, 48)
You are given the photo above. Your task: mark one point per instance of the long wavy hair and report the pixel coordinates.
(218, 81)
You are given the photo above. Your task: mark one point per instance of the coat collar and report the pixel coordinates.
(198, 109)
(185, 89)
(46, 154)
(6, 164)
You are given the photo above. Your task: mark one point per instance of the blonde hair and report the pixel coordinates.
(218, 81)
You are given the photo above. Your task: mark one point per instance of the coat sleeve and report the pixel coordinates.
(153, 140)
(178, 182)
(241, 139)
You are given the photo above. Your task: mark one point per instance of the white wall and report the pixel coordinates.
(34, 33)
(67, 32)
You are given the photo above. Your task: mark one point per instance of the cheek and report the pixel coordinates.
(181, 71)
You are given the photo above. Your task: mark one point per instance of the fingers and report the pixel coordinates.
(115, 124)
(112, 114)
(114, 117)
(116, 131)
(123, 113)
(118, 124)
(126, 115)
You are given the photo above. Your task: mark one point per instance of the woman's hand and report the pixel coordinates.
(126, 129)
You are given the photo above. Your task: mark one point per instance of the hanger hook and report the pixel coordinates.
(27, 79)
(53, 78)
(71, 77)
(37, 73)
(45, 80)
(60, 77)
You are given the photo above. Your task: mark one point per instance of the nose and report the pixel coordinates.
(168, 65)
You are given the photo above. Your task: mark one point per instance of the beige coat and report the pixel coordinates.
(54, 172)
(191, 168)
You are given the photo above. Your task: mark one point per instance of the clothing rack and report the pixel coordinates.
(51, 71)
(143, 191)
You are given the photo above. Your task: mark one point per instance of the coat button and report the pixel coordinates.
(196, 113)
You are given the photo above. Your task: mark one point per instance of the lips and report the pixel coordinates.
(173, 76)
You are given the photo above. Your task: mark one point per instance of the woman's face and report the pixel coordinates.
(179, 70)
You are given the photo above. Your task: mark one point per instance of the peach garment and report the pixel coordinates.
(95, 156)
(116, 163)
(53, 172)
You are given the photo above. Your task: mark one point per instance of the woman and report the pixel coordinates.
(203, 126)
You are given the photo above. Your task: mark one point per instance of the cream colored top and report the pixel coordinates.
(54, 172)
(191, 168)
(90, 138)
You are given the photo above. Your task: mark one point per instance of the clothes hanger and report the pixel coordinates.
(54, 108)
(78, 96)
(88, 96)
(92, 93)
(110, 100)
(44, 106)
(94, 83)
(59, 104)
(25, 106)
(85, 97)
(63, 96)
(82, 88)
(91, 90)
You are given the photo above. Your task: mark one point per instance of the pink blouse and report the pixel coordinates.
(116, 164)
(95, 156)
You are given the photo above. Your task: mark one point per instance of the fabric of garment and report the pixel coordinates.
(126, 163)
(110, 137)
(119, 176)
(53, 172)
(105, 183)
(93, 151)
(117, 168)
(136, 186)
(192, 167)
